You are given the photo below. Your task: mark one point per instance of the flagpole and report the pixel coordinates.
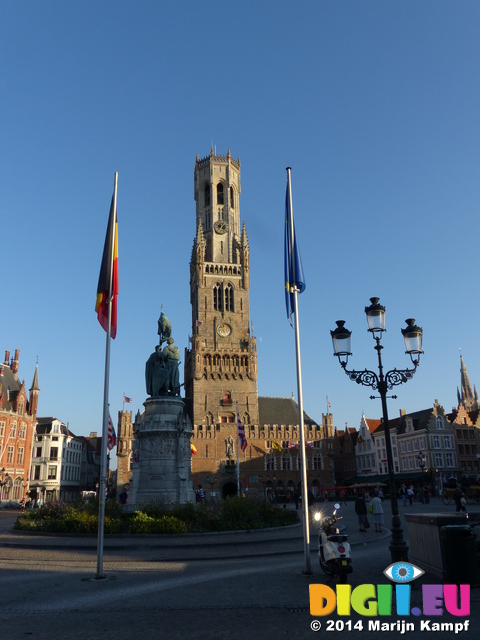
(238, 457)
(306, 515)
(103, 463)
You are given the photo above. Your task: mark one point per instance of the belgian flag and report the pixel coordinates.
(108, 279)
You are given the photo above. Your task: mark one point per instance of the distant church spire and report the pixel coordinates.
(466, 396)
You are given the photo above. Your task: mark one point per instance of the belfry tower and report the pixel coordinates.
(221, 365)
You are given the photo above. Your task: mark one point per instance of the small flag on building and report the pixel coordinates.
(194, 450)
(111, 436)
(328, 404)
(309, 444)
(126, 399)
(292, 445)
(241, 434)
(198, 323)
(276, 445)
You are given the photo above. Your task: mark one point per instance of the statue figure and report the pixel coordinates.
(162, 377)
(164, 327)
(157, 376)
(171, 358)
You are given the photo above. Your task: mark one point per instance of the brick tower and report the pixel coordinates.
(221, 365)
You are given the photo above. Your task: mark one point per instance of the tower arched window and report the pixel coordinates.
(206, 192)
(229, 298)
(219, 193)
(218, 297)
(232, 198)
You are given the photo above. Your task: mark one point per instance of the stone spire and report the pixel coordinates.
(466, 396)
(34, 391)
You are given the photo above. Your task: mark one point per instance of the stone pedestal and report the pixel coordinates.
(161, 469)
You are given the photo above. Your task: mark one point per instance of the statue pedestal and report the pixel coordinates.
(161, 470)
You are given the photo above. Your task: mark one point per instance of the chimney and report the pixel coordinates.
(403, 412)
(93, 434)
(14, 365)
(7, 356)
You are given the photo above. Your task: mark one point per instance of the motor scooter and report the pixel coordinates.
(333, 547)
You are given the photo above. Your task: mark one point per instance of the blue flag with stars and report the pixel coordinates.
(294, 277)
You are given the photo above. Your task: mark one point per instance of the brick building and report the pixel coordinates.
(18, 415)
(124, 449)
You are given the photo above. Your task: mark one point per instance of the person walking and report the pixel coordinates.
(361, 511)
(410, 494)
(460, 501)
(342, 497)
(377, 513)
(200, 494)
(403, 493)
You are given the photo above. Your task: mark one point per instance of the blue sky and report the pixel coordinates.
(375, 107)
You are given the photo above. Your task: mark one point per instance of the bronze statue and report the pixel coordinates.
(162, 377)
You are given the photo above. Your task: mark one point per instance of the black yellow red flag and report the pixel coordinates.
(108, 279)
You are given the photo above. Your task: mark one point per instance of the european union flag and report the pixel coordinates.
(294, 278)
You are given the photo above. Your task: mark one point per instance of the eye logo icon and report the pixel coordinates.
(403, 572)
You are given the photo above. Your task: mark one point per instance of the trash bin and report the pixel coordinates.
(460, 562)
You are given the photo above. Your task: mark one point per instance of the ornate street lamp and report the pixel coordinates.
(422, 461)
(341, 338)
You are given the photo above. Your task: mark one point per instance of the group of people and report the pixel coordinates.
(422, 494)
(375, 508)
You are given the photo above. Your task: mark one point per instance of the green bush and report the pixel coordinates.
(232, 514)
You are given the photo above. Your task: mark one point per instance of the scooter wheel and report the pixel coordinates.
(342, 575)
(325, 568)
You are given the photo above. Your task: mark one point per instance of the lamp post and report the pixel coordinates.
(211, 481)
(341, 338)
(422, 459)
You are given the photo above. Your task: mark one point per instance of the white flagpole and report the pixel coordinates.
(103, 463)
(306, 515)
(238, 457)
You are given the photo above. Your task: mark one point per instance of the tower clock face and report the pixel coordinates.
(221, 226)
(224, 330)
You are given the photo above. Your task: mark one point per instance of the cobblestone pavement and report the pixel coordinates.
(253, 588)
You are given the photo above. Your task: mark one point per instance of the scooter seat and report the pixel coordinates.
(338, 537)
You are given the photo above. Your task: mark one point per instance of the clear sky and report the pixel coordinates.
(374, 105)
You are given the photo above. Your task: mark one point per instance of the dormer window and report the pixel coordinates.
(439, 422)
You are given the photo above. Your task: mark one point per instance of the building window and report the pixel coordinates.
(286, 463)
(52, 473)
(270, 462)
(439, 422)
(449, 459)
(206, 193)
(10, 455)
(229, 298)
(53, 453)
(232, 198)
(439, 459)
(20, 455)
(447, 442)
(218, 297)
(219, 193)
(436, 442)
(13, 430)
